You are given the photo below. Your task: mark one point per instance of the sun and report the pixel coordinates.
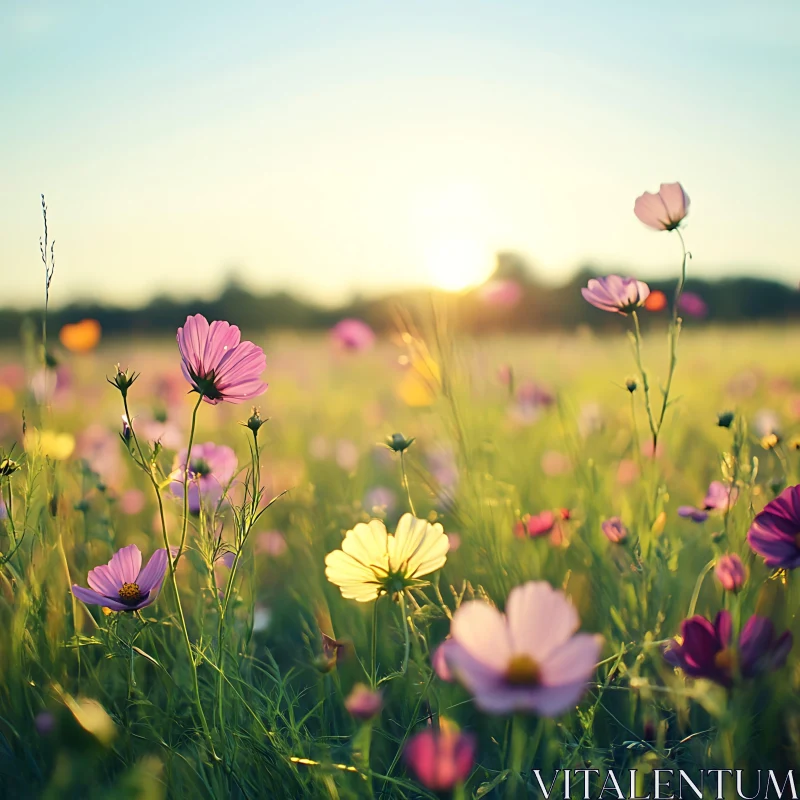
(458, 261)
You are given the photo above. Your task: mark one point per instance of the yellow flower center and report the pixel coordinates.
(130, 593)
(522, 670)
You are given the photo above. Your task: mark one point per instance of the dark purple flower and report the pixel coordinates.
(217, 364)
(693, 305)
(692, 513)
(122, 584)
(775, 532)
(705, 650)
(617, 294)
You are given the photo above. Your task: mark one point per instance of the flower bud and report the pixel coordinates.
(725, 419)
(255, 421)
(8, 467)
(363, 703)
(398, 442)
(614, 530)
(631, 385)
(730, 572)
(123, 380)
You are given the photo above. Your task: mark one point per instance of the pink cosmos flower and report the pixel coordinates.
(617, 294)
(614, 530)
(363, 703)
(503, 293)
(217, 364)
(665, 210)
(692, 305)
(775, 532)
(528, 659)
(719, 497)
(353, 334)
(440, 759)
(731, 572)
(534, 525)
(122, 584)
(132, 501)
(210, 472)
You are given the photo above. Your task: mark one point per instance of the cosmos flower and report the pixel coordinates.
(210, 472)
(373, 562)
(80, 337)
(665, 210)
(730, 572)
(362, 703)
(440, 759)
(692, 305)
(528, 659)
(533, 525)
(353, 334)
(617, 294)
(775, 532)
(614, 530)
(530, 400)
(217, 364)
(719, 497)
(705, 649)
(122, 584)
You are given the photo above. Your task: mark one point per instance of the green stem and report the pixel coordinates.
(405, 482)
(699, 585)
(406, 638)
(637, 339)
(185, 525)
(174, 584)
(374, 647)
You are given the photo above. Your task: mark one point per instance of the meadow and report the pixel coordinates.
(95, 703)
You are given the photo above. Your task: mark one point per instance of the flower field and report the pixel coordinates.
(416, 566)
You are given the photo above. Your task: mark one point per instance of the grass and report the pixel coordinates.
(99, 705)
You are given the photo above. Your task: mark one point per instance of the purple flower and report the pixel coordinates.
(210, 472)
(217, 364)
(614, 530)
(528, 659)
(664, 210)
(719, 497)
(705, 650)
(731, 572)
(775, 532)
(693, 305)
(504, 293)
(617, 294)
(353, 334)
(531, 399)
(122, 584)
(440, 759)
(381, 498)
(363, 703)
(692, 513)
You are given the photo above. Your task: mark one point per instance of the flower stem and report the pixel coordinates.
(699, 585)
(374, 647)
(637, 340)
(172, 562)
(405, 481)
(185, 524)
(406, 638)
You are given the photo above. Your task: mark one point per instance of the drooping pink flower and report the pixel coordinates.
(122, 584)
(730, 572)
(503, 293)
(692, 305)
(210, 472)
(665, 210)
(353, 334)
(775, 532)
(528, 659)
(617, 294)
(363, 703)
(614, 530)
(217, 364)
(706, 650)
(440, 759)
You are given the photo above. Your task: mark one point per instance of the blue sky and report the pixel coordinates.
(332, 147)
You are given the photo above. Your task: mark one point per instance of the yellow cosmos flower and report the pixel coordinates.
(373, 562)
(58, 446)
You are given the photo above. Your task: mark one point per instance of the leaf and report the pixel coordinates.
(147, 656)
(485, 788)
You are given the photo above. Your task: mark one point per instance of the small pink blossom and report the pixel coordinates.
(615, 293)
(730, 572)
(503, 293)
(614, 530)
(440, 759)
(665, 210)
(353, 334)
(692, 305)
(132, 501)
(271, 543)
(363, 703)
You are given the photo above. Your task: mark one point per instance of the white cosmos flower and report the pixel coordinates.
(373, 562)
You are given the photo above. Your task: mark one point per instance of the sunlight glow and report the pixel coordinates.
(458, 261)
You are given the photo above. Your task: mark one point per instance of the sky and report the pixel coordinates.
(333, 148)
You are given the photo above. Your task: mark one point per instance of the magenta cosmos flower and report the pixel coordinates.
(775, 532)
(217, 364)
(533, 525)
(614, 530)
(664, 210)
(617, 294)
(716, 499)
(705, 649)
(440, 759)
(692, 305)
(730, 572)
(363, 703)
(528, 659)
(210, 472)
(353, 334)
(122, 584)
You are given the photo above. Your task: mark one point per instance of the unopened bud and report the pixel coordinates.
(725, 419)
(123, 380)
(398, 442)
